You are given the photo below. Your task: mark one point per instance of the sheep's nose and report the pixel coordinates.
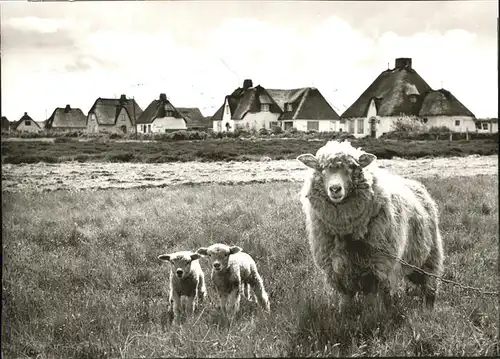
(179, 272)
(335, 188)
(216, 265)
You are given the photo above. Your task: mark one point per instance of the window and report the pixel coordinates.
(288, 107)
(264, 107)
(288, 125)
(149, 128)
(123, 117)
(169, 113)
(413, 98)
(485, 126)
(424, 120)
(274, 123)
(312, 125)
(350, 126)
(361, 126)
(457, 122)
(27, 123)
(342, 121)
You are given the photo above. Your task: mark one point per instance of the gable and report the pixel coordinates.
(314, 106)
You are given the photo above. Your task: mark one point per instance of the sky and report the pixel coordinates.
(196, 52)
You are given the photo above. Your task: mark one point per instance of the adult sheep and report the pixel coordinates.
(359, 218)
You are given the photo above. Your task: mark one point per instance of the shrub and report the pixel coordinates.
(276, 130)
(409, 124)
(263, 132)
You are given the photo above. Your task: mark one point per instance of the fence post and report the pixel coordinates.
(451, 136)
(467, 134)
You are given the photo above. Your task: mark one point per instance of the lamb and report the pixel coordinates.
(233, 269)
(360, 217)
(186, 280)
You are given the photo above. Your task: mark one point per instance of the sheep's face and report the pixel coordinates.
(180, 261)
(338, 173)
(219, 254)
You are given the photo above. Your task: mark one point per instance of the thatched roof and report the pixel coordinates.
(391, 91)
(194, 117)
(25, 117)
(307, 102)
(66, 118)
(108, 109)
(157, 109)
(5, 123)
(443, 103)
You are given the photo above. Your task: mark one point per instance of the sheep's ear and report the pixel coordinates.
(202, 251)
(366, 158)
(164, 257)
(309, 160)
(195, 256)
(234, 249)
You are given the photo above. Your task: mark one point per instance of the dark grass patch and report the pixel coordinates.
(226, 150)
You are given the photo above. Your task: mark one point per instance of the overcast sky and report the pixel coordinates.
(58, 53)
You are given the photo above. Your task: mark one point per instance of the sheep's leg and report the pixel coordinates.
(260, 292)
(223, 302)
(345, 302)
(176, 306)
(190, 304)
(429, 284)
(248, 295)
(202, 289)
(234, 301)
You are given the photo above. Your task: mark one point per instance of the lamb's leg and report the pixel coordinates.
(345, 302)
(191, 304)
(223, 302)
(234, 301)
(176, 306)
(202, 289)
(246, 289)
(260, 292)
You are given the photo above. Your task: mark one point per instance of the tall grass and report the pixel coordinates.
(81, 277)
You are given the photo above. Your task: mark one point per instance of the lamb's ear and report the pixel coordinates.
(195, 256)
(234, 249)
(309, 160)
(202, 251)
(164, 257)
(366, 158)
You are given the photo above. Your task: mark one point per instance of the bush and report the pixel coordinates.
(276, 130)
(409, 124)
(263, 132)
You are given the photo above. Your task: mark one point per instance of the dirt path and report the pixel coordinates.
(75, 176)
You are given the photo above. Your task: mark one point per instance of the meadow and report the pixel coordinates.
(81, 277)
(63, 149)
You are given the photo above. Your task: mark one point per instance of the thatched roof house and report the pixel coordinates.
(194, 118)
(401, 92)
(5, 124)
(113, 115)
(66, 118)
(161, 116)
(26, 124)
(250, 106)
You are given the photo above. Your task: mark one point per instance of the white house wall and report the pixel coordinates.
(466, 123)
(257, 120)
(160, 125)
(31, 128)
(323, 125)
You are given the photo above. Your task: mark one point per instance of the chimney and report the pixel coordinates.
(163, 97)
(247, 84)
(123, 99)
(67, 109)
(25, 114)
(403, 62)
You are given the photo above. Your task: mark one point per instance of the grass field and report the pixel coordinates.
(67, 149)
(81, 277)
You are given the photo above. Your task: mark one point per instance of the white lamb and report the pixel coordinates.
(186, 280)
(233, 269)
(359, 217)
